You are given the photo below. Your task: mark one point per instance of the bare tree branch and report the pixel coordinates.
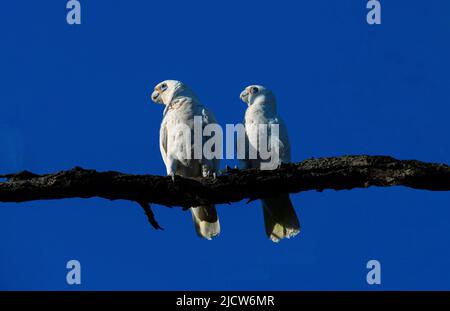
(233, 185)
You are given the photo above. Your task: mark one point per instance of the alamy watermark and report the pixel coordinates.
(374, 275)
(374, 15)
(73, 16)
(73, 276)
(254, 141)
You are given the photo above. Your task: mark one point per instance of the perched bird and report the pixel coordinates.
(280, 219)
(181, 106)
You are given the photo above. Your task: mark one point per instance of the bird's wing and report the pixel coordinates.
(213, 165)
(245, 162)
(252, 137)
(251, 124)
(283, 140)
(163, 141)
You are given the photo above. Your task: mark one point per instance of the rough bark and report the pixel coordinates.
(337, 173)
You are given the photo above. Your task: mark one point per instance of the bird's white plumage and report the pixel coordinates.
(279, 215)
(181, 106)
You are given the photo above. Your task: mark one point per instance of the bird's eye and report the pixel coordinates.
(163, 87)
(255, 90)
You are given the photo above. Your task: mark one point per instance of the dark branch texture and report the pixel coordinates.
(336, 173)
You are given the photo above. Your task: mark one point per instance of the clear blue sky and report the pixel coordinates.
(79, 95)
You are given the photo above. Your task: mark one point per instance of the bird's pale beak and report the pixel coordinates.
(244, 96)
(155, 97)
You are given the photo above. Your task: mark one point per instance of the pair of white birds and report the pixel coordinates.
(181, 106)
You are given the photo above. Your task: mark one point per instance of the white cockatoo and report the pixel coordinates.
(280, 219)
(181, 106)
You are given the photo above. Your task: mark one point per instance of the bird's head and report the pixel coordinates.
(165, 91)
(257, 94)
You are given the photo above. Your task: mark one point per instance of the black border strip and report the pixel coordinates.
(282, 300)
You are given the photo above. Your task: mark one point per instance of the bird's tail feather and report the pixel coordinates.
(206, 221)
(280, 219)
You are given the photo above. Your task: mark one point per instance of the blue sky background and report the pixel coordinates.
(79, 95)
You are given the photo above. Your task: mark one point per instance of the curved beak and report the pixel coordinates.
(244, 96)
(156, 97)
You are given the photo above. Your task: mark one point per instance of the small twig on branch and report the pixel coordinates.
(150, 215)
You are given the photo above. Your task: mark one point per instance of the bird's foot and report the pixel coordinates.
(172, 175)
